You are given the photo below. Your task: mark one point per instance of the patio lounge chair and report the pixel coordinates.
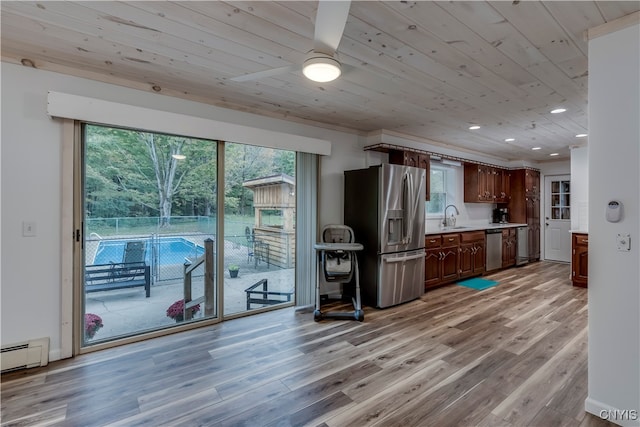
(131, 272)
(134, 252)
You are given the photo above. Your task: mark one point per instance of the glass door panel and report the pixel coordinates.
(259, 222)
(149, 228)
(558, 218)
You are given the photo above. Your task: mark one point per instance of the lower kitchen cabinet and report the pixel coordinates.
(509, 247)
(441, 259)
(579, 259)
(472, 254)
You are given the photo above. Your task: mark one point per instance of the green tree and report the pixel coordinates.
(134, 173)
(199, 187)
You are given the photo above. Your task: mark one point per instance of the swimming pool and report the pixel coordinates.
(165, 250)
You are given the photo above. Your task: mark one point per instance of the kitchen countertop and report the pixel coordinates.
(463, 228)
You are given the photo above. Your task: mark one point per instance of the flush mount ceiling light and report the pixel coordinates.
(558, 110)
(509, 140)
(581, 135)
(179, 156)
(554, 154)
(474, 127)
(537, 148)
(321, 67)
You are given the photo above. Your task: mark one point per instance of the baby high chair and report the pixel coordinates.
(337, 261)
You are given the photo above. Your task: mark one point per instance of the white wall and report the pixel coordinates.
(344, 156)
(580, 188)
(614, 277)
(31, 187)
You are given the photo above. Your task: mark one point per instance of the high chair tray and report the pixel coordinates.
(338, 247)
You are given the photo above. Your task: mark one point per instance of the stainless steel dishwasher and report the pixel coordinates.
(494, 249)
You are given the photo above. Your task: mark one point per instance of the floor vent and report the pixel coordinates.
(29, 354)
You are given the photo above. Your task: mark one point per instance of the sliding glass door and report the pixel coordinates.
(152, 255)
(259, 223)
(149, 232)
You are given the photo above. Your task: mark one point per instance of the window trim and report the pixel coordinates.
(448, 173)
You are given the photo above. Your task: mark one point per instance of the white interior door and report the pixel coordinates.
(557, 240)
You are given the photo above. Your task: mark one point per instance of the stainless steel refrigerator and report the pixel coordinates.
(384, 205)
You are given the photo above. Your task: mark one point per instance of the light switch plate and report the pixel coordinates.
(624, 242)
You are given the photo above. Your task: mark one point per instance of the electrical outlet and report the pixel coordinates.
(28, 229)
(624, 242)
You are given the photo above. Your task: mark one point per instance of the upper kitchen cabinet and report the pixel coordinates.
(503, 188)
(415, 159)
(524, 206)
(532, 182)
(477, 184)
(486, 184)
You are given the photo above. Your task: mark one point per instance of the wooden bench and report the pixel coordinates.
(264, 296)
(105, 277)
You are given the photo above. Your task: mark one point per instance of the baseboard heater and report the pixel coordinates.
(29, 354)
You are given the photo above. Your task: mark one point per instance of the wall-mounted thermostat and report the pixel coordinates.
(614, 211)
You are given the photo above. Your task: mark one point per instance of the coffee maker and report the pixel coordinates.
(500, 216)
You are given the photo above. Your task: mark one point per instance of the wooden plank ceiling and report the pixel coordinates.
(426, 69)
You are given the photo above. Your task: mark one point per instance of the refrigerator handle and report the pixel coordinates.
(407, 208)
(405, 197)
(405, 258)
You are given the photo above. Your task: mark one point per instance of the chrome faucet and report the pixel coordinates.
(444, 221)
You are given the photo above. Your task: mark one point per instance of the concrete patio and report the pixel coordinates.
(128, 311)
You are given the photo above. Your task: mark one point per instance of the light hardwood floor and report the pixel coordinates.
(512, 355)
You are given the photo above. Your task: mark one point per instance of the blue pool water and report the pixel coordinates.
(166, 250)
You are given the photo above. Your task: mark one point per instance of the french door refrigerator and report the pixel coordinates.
(384, 205)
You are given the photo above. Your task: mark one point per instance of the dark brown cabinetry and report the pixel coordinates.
(503, 193)
(441, 259)
(579, 259)
(415, 159)
(486, 184)
(453, 256)
(472, 253)
(509, 247)
(524, 206)
(477, 184)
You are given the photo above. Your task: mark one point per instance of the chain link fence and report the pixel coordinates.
(167, 254)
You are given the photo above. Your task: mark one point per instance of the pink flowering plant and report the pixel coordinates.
(176, 310)
(92, 322)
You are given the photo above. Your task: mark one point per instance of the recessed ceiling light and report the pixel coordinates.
(558, 110)
(537, 148)
(179, 156)
(581, 135)
(554, 154)
(509, 140)
(474, 127)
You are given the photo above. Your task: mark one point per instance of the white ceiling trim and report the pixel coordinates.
(130, 116)
(613, 26)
